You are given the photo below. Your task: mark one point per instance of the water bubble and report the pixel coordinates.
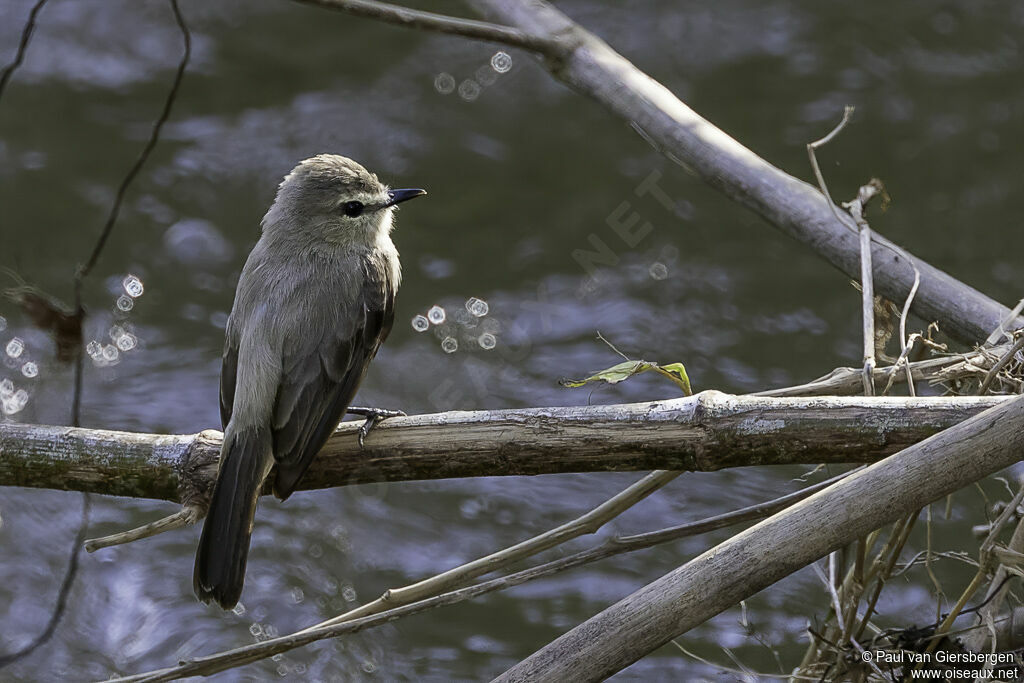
(470, 508)
(15, 347)
(487, 341)
(420, 323)
(94, 348)
(197, 243)
(444, 83)
(501, 61)
(110, 353)
(449, 345)
(219, 319)
(436, 315)
(300, 668)
(369, 667)
(133, 286)
(127, 341)
(485, 76)
(349, 593)
(33, 160)
(30, 369)
(239, 609)
(6, 388)
(658, 271)
(256, 630)
(270, 630)
(477, 307)
(125, 303)
(669, 254)
(469, 90)
(297, 595)
(3, 323)
(16, 403)
(277, 658)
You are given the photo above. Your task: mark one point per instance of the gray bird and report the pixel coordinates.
(314, 303)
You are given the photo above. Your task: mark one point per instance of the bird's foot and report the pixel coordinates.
(373, 416)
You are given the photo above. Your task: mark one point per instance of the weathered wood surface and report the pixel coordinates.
(758, 557)
(706, 432)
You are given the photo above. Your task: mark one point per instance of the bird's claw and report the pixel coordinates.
(374, 416)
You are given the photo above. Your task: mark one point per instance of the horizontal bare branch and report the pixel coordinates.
(706, 432)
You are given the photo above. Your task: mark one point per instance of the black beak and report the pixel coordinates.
(399, 196)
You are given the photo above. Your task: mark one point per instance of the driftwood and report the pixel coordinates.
(706, 432)
(792, 539)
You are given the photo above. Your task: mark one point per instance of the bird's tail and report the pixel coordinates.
(246, 459)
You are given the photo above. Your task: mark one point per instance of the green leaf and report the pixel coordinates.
(677, 373)
(623, 371)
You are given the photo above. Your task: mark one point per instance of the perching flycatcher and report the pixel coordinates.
(314, 303)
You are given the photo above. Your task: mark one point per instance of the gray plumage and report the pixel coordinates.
(314, 303)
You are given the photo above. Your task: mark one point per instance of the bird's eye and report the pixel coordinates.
(352, 209)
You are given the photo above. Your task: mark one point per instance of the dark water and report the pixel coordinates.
(521, 173)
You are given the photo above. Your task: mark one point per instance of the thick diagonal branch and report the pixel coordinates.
(796, 208)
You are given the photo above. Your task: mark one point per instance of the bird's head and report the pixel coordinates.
(334, 198)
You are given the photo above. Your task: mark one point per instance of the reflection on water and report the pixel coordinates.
(543, 227)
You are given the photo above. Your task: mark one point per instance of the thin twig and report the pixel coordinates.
(812, 146)
(905, 343)
(459, 576)
(870, 660)
(62, 595)
(26, 36)
(758, 674)
(830, 587)
(154, 136)
(80, 274)
(984, 558)
(612, 346)
(1000, 330)
(614, 546)
(847, 380)
(867, 280)
(441, 23)
(179, 520)
(1000, 364)
(939, 593)
(884, 562)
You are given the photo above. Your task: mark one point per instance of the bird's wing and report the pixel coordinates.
(228, 376)
(320, 376)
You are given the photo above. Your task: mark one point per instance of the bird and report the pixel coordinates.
(314, 302)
